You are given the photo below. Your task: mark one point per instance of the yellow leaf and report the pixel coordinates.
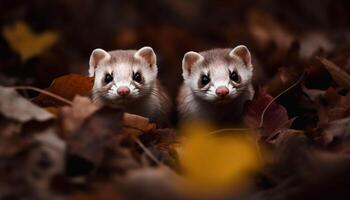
(212, 161)
(27, 43)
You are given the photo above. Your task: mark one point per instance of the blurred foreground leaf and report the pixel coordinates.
(15, 107)
(216, 161)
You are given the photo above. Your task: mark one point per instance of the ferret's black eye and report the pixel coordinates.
(235, 77)
(137, 77)
(108, 78)
(205, 79)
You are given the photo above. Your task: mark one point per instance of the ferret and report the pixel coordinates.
(128, 79)
(217, 84)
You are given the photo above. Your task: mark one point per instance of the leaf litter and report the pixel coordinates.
(85, 146)
(59, 145)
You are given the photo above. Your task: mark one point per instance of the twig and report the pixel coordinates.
(276, 97)
(228, 129)
(257, 146)
(44, 92)
(147, 152)
(152, 157)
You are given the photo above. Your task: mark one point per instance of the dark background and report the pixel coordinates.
(268, 27)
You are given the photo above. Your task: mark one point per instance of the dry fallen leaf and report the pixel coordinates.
(339, 129)
(329, 104)
(95, 133)
(341, 77)
(284, 78)
(15, 107)
(314, 41)
(275, 118)
(136, 125)
(284, 135)
(266, 30)
(73, 116)
(45, 161)
(67, 87)
(25, 42)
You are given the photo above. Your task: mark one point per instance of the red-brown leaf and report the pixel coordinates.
(275, 118)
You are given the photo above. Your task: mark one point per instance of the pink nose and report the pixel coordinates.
(221, 91)
(123, 91)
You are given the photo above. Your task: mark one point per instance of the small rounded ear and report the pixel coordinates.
(96, 57)
(243, 53)
(147, 54)
(190, 58)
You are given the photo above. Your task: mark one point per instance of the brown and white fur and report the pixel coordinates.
(117, 85)
(220, 97)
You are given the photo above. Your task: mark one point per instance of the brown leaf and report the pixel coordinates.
(265, 29)
(102, 191)
(67, 87)
(96, 132)
(163, 143)
(275, 119)
(45, 161)
(336, 106)
(337, 129)
(284, 78)
(329, 104)
(341, 77)
(10, 141)
(283, 135)
(136, 125)
(73, 116)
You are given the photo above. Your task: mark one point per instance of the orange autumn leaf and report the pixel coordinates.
(136, 125)
(211, 161)
(53, 110)
(68, 87)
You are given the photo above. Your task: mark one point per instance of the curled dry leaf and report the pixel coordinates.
(341, 77)
(14, 106)
(67, 87)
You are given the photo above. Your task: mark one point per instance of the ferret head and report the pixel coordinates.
(122, 75)
(218, 75)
